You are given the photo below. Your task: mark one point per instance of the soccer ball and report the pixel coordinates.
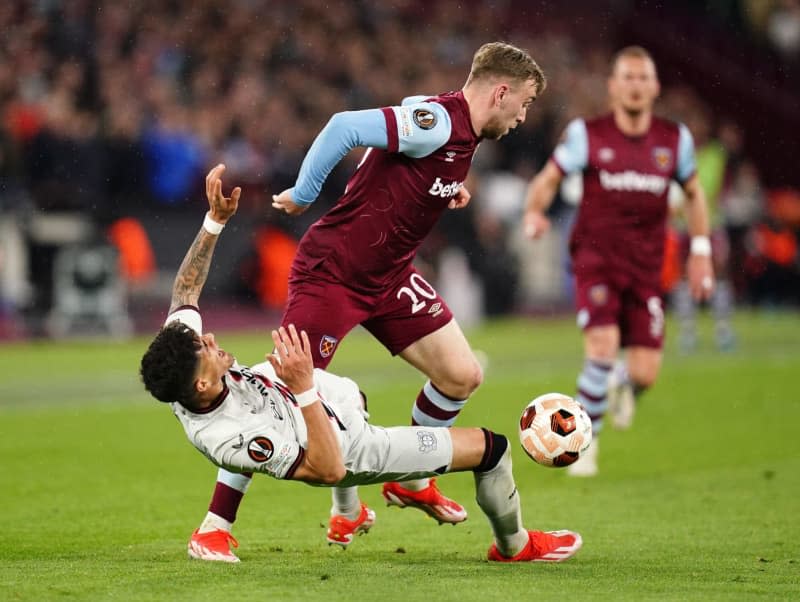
(555, 430)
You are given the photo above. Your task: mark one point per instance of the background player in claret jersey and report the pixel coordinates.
(288, 420)
(354, 265)
(627, 158)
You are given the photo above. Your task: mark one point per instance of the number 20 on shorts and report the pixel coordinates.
(418, 291)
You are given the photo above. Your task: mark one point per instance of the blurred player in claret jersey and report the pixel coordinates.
(627, 159)
(354, 265)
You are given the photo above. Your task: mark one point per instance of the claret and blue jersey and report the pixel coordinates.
(625, 188)
(417, 158)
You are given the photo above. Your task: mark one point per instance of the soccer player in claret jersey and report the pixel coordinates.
(286, 419)
(354, 265)
(627, 158)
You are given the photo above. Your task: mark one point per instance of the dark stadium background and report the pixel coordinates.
(112, 111)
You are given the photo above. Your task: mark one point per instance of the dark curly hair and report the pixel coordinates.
(169, 364)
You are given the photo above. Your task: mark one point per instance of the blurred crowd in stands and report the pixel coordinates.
(114, 111)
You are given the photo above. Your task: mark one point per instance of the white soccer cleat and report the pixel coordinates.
(621, 403)
(586, 465)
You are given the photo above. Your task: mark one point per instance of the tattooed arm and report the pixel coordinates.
(193, 271)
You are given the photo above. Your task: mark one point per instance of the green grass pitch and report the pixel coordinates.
(699, 501)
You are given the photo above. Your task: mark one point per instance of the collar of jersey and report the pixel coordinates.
(218, 401)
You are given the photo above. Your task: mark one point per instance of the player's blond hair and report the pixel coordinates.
(635, 52)
(505, 60)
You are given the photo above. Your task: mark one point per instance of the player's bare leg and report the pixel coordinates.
(601, 345)
(629, 380)
(454, 372)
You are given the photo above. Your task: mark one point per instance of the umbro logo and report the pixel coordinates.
(606, 154)
(435, 309)
(450, 156)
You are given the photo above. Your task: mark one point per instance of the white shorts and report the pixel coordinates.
(398, 453)
(375, 454)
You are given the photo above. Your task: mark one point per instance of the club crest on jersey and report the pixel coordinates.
(260, 449)
(427, 441)
(598, 294)
(424, 119)
(327, 344)
(662, 157)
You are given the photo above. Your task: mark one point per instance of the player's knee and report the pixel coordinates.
(461, 383)
(495, 448)
(472, 378)
(643, 376)
(601, 343)
(645, 379)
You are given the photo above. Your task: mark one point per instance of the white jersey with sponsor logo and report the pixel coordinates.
(256, 426)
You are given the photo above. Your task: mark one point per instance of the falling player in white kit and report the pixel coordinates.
(286, 419)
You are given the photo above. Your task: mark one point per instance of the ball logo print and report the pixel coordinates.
(260, 449)
(555, 430)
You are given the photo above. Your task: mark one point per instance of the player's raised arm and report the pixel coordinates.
(415, 129)
(192, 274)
(343, 132)
(322, 462)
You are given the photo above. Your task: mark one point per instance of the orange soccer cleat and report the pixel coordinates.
(543, 546)
(430, 500)
(213, 545)
(341, 529)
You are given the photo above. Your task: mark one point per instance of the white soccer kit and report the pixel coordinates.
(256, 426)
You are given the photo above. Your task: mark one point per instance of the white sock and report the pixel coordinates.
(415, 485)
(621, 372)
(234, 480)
(213, 522)
(497, 496)
(346, 502)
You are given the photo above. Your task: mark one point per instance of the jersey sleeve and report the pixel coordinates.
(411, 100)
(686, 165)
(572, 153)
(188, 315)
(344, 132)
(417, 129)
(259, 448)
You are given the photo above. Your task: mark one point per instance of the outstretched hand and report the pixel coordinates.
(221, 208)
(292, 359)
